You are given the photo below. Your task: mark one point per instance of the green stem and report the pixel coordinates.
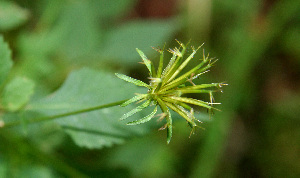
(46, 118)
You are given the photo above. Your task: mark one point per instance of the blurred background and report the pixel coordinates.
(257, 133)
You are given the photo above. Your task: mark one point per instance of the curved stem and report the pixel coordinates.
(41, 119)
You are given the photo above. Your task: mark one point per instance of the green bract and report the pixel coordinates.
(167, 86)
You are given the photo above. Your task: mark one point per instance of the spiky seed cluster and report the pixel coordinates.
(166, 88)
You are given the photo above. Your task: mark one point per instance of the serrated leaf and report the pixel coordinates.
(134, 99)
(146, 61)
(11, 15)
(135, 110)
(132, 80)
(5, 60)
(17, 93)
(145, 119)
(86, 88)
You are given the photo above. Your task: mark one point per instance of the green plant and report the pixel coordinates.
(165, 90)
(167, 87)
(57, 65)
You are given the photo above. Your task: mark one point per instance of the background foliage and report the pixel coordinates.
(59, 56)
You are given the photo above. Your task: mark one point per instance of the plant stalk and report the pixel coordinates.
(46, 118)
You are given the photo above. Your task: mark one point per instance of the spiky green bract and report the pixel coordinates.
(134, 99)
(147, 62)
(145, 119)
(167, 86)
(135, 110)
(132, 80)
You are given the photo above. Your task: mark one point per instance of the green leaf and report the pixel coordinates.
(122, 41)
(86, 88)
(11, 15)
(147, 62)
(132, 80)
(110, 9)
(35, 171)
(144, 157)
(36, 51)
(5, 60)
(135, 110)
(145, 119)
(17, 93)
(79, 27)
(3, 168)
(134, 99)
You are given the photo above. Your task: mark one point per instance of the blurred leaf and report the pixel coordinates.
(11, 15)
(35, 50)
(113, 8)
(36, 171)
(49, 10)
(3, 167)
(17, 93)
(38, 43)
(122, 42)
(87, 88)
(5, 60)
(22, 155)
(79, 28)
(84, 36)
(144, 157)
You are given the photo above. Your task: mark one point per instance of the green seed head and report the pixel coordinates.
(167, 86)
